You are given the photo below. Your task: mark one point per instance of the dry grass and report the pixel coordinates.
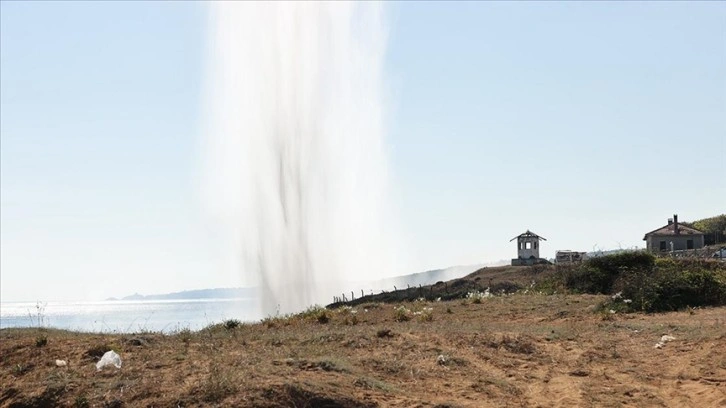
(516, 350)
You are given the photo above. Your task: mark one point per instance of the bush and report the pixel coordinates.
(426, 314)
(646, 284)
(318, 313)
(598, 275)
(232, 324)
(41, 340)
(401, 314)
(476, 296)
(612, 264)
(81, 402)
(667, 289)
(218, 385)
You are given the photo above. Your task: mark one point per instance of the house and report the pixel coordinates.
(569, 257)
(528, 249)
(673, 237)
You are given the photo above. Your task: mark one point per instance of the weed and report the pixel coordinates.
(219, 385)
(232, 324)
(426, 314)
(81, 402)
(39, 316)
(451, 361)
(372, 384)
(515, 344)
(325, 364)
(20, 369)
(350, 315)
(317, 313)
(41, 340)
(277, 321)
(607, 315)
(59, 381)
(323, 317)
(185, 335)
(476, 297)
(401, 314)
(383, 333)
(97, 351)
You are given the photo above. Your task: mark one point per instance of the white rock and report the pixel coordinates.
(61, 363)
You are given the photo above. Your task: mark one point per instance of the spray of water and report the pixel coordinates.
(295, 159)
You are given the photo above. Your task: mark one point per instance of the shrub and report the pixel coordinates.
(185, 335)
(645, 283)
(518, 344)
(218, 385)
(232, 324)
(401, 314)
(316, 312)
(426, 314)
(41, 340)
(598, 275)
(667, 289)
(506, 287)
(81, 402)
(476, 296)
(613, 264)
(383, 333)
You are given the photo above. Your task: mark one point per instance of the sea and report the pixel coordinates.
(128, 316)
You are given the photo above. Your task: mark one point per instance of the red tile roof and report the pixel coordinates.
(669, 230)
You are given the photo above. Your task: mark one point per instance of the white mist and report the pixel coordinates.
(294, 146)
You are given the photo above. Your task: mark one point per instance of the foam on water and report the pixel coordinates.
(294, 146)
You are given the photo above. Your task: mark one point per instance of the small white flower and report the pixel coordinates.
(612, 311)
(627, 300)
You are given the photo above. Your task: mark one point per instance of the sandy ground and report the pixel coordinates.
(527, 350)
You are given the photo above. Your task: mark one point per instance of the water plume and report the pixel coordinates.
(294, 145)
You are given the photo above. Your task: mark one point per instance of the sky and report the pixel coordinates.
(588, 123)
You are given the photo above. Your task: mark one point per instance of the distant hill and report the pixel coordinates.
(218, 293)
(413, 280)
(425, 278)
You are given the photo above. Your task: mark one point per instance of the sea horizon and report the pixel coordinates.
(127, 316)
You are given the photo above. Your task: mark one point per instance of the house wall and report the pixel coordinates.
(679, 242)
(533, 251)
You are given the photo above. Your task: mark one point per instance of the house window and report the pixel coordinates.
(535, 244)
(689, 244)
(662, 245)
(527, 245)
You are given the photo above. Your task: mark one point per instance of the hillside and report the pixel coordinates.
(497, 279)
(414, 279)
(524, 349)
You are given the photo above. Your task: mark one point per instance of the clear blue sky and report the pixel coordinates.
(589, 123)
